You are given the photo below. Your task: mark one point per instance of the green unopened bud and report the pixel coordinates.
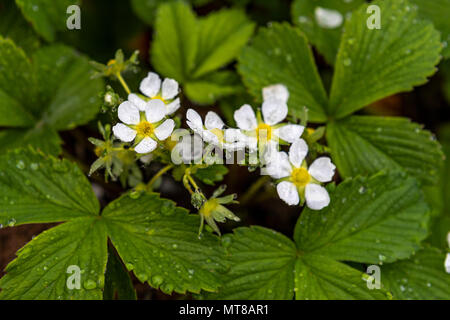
(197, 200)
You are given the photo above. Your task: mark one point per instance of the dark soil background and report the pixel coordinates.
(109, 25)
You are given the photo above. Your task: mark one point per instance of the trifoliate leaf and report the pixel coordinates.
(44, 139)
(51, 92)
(322, 22)
(319, 277)
(190, 49)
(174, 47)
(222, 34)
(160, 243)
(46, 16)
(376, 63)
(36, 188)
(369, 220)
(211, 174)
(437, 11)
(267, 265)
(17, 85)
(69, 94)
(280, 55)
(262, 265)
(422, 277)
(47, 267)
(368, 144)
(213, 86)
(15, 27)
(118, 283)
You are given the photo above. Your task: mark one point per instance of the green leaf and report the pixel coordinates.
(222, 35)
(41, 272)
(368, 144)
(159, 242)
(437, 11)
(326, 40)
(280, 54)
(369, 220)
(211, 174)
(17, 85)
(35, 188)
(46, 16)
(52, 92)
(42, 138)
(376, 63)
(175, 42)
(16, 28)
(146, 9)
(212, 87)
(262, 265)
(267, 265)
(71, 95)
(319, 277)
(422, 277)
(117, 280)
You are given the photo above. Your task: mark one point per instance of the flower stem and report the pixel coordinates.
(157, 175)
(123, 83)
(253, 189)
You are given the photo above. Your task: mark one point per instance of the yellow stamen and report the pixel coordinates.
(159, 98)
(218, 133)
(145, 129)
(209, 206)
(300, 177)
(264, 132)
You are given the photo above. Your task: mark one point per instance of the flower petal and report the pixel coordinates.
(165, 129)
(322, 169)
(150, 85)
(190, 148)
(194, 121)
(298, 152)
(128, 113)
(278, 165)
(213, 121)
(123, 132)
(138, 102)
(447, 263)
(317, 197)
(146, 145)
(169, 89)
(274, 111)
(288, 193)
(173, 106)
(276, 91)
(155, 110)
(290, 132)
(245, 118)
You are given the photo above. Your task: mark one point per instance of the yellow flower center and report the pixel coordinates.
(300, 177)
(218, 133)
(145, 129)
(208, 207)
(264, 132)
(159, 98)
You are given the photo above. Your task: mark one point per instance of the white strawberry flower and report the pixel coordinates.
(144, 128)
(268, 129)
(189, 149)
(299, 181)
(152, 87)
(213, 130)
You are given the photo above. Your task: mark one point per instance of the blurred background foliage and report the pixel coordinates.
(107, 25)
